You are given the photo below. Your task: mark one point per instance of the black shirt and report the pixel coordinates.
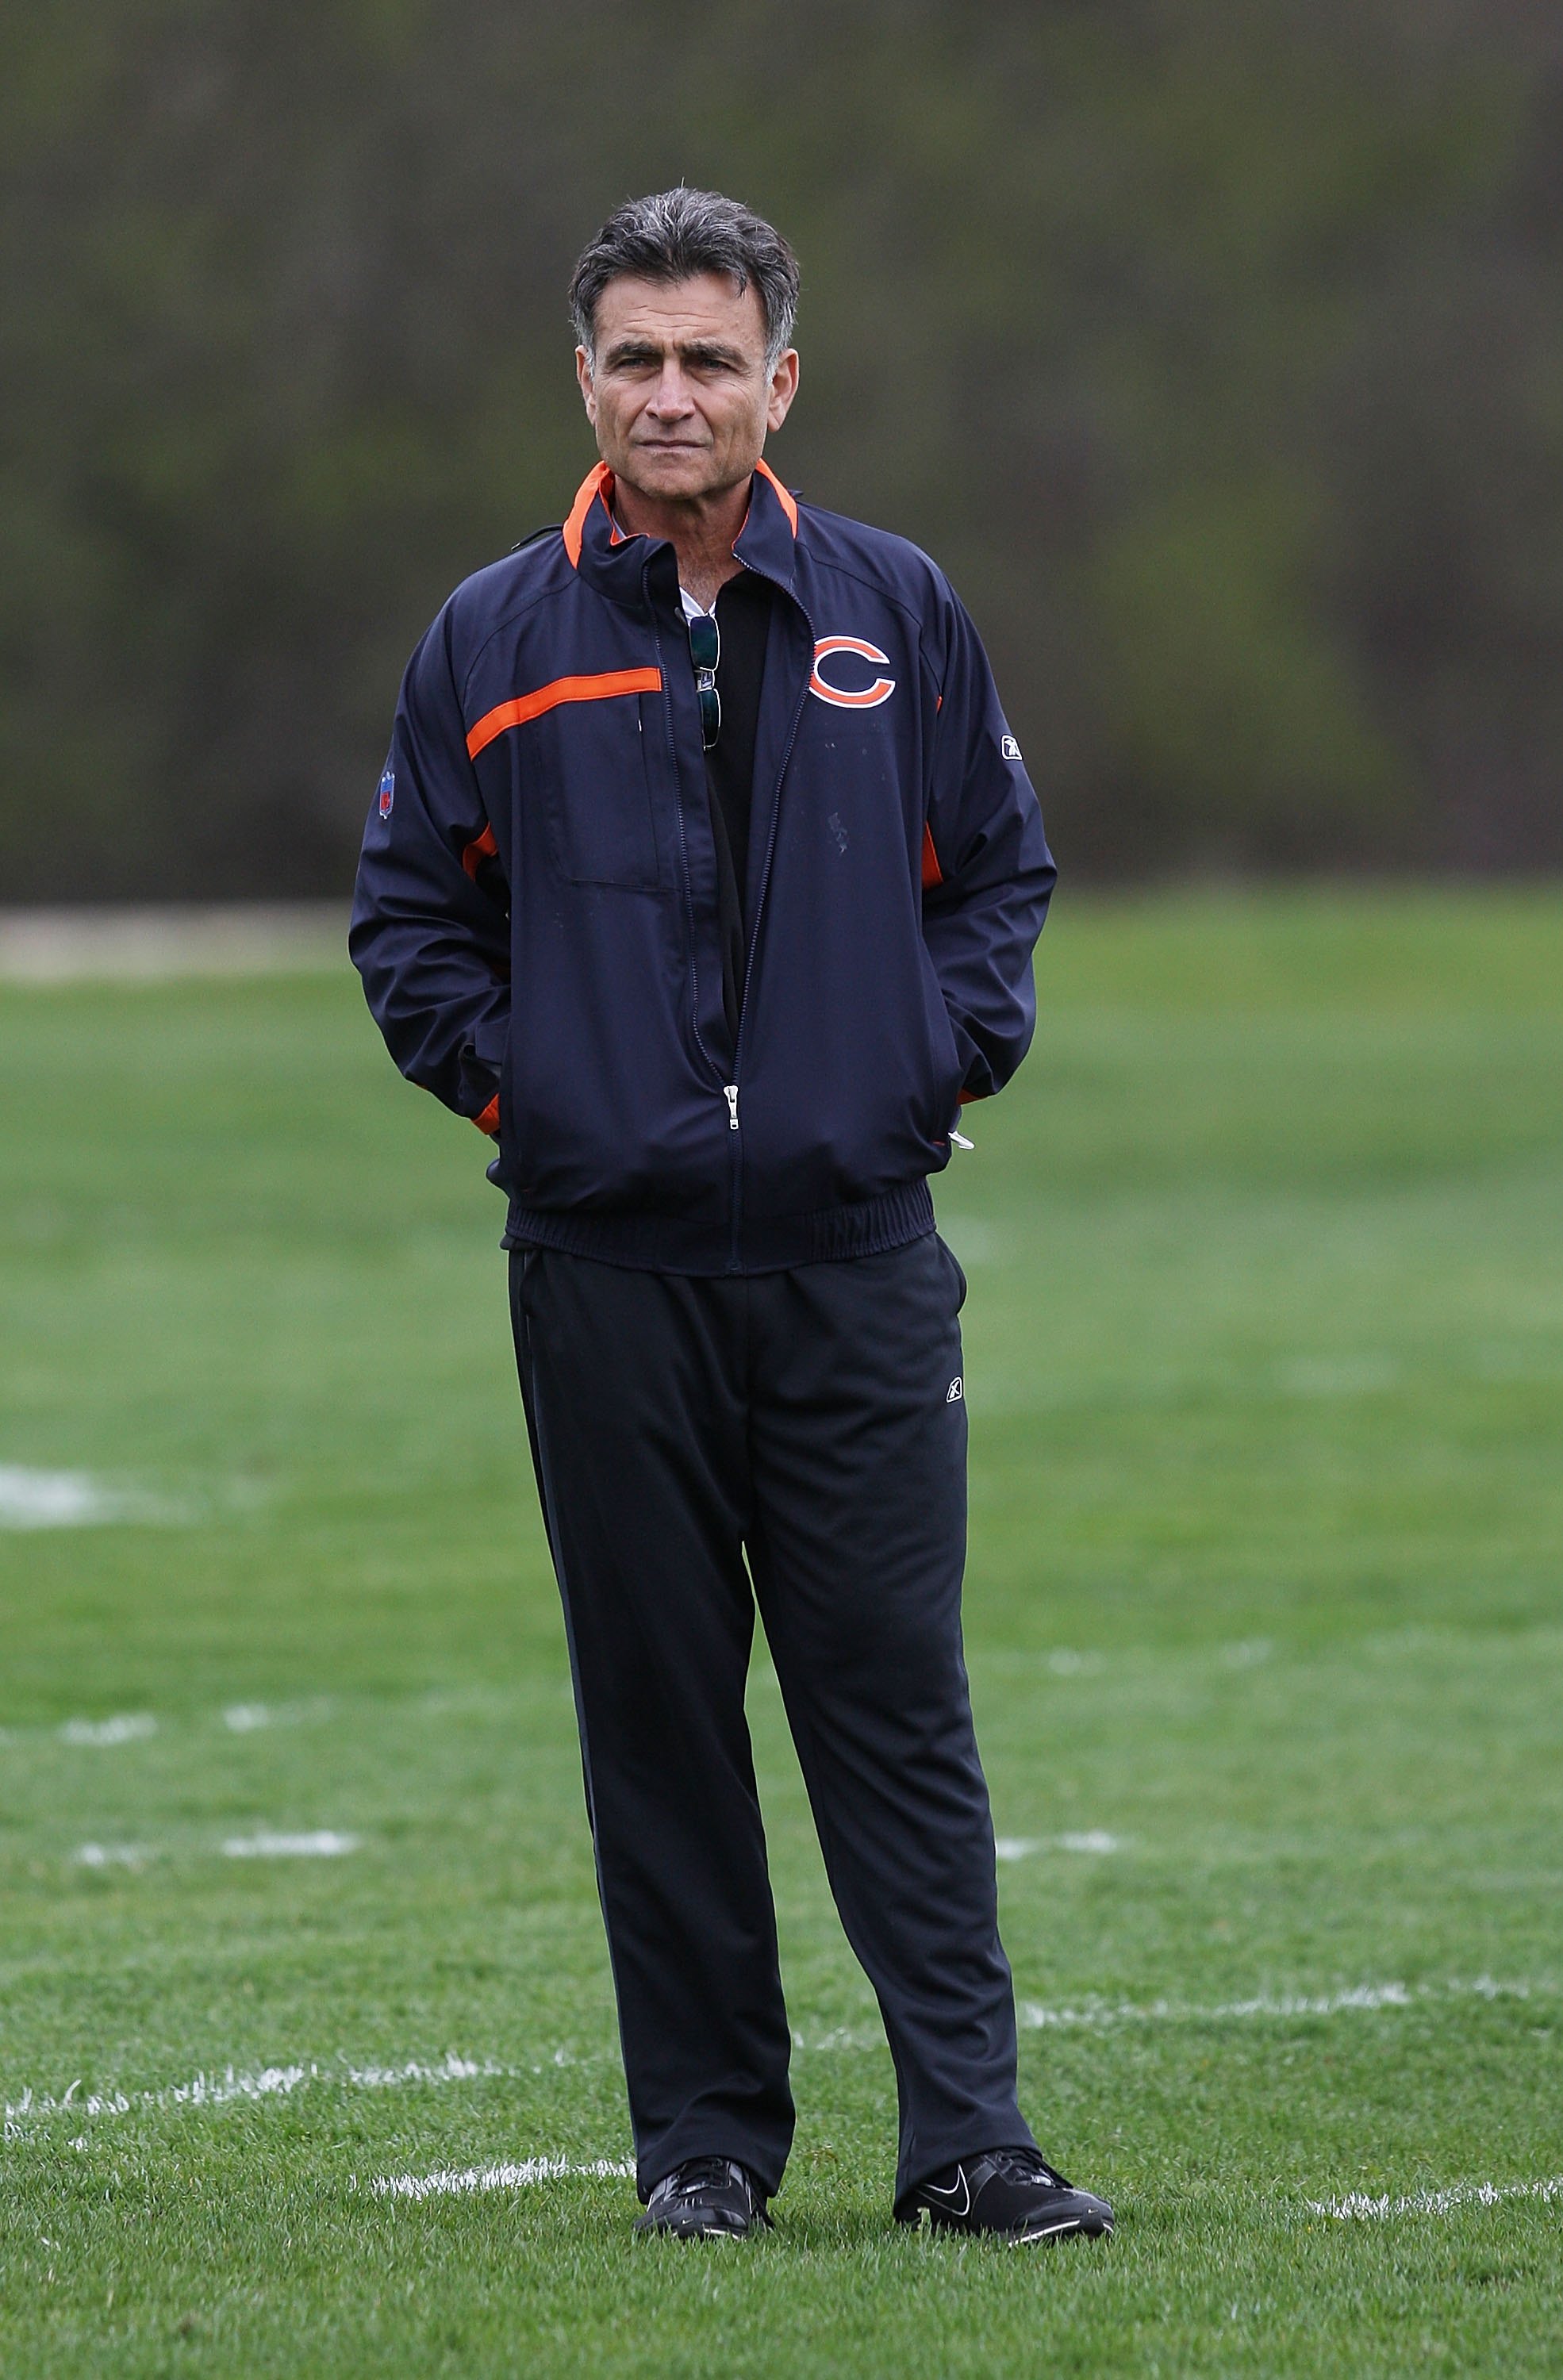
(743, 611)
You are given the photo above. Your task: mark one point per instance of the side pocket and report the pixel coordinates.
(944, 1059)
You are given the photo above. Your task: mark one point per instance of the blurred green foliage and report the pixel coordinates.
(1215, 349)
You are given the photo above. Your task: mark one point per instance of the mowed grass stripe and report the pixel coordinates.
(1265, 1352)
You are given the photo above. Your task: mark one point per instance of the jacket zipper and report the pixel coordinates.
(730, 1090)
(678, 813)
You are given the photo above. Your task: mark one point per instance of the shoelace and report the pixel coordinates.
(1026, 2165)
(686, 2179)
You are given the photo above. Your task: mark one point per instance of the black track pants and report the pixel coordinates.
(807, 1418)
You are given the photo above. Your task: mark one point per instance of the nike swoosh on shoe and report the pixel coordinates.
(934, 2190)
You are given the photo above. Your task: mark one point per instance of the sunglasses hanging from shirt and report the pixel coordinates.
(705, 651)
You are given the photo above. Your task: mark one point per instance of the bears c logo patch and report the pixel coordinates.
(838, 687)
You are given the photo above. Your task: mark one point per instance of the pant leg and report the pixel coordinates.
(634, 1390)
(858, 1547)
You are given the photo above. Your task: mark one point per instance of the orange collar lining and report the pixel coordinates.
(598, 484)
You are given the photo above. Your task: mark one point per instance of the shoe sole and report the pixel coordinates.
(698, 2231)
(1072, 2227)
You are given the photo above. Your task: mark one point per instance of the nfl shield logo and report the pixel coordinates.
(387, 793)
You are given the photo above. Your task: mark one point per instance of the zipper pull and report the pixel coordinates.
(731, 1089)
(960, 1139)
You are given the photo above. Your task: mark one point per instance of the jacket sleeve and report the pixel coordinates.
(987, 873)
(430, 934)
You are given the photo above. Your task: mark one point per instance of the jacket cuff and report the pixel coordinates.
(489, 1121)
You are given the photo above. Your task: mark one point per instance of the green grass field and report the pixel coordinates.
(1265, 1359)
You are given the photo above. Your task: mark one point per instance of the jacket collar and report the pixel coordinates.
(613, 562)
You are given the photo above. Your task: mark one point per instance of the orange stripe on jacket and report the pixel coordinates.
(485, 848)
(932, 872)
(596, 687)
(489, 1121)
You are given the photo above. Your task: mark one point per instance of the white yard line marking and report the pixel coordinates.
(839, 2036)
(323, 1844)
(238, 1719)
(1098, 2018)
(244, 1719)
(261, 2082)
(451, 2068)
(54, 1499)
(151, 945)
(74, 1500)
(129, 1727)
(1361, 1996)
(113, 1855)
(221, 2089)
(1359, 2209)
(1018, 1847)
(452, 2182)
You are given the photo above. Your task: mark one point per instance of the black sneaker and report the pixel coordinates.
(707, 2198)
(1011, 2193)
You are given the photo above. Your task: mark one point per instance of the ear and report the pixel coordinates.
(588, 395)
(783, 388)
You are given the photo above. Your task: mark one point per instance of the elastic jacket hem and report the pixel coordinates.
(646, 1243)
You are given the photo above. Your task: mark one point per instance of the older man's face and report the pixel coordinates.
(678, 395)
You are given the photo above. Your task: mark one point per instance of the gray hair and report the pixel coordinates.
(678, 233)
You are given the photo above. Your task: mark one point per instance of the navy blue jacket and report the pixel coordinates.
(535, 917)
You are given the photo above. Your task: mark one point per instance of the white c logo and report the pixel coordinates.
(864, 698)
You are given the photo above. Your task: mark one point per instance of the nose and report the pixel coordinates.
(671, 401)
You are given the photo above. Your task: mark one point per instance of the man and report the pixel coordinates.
(705, 875)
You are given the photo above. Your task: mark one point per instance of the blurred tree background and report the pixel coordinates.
(1214, 347)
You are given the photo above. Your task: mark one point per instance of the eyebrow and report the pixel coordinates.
(698, 351)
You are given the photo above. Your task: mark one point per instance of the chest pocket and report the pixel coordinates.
(581, 750)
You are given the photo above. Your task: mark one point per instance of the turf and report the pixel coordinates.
(1265, 1361)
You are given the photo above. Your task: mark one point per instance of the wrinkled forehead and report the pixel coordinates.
(671, 315)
